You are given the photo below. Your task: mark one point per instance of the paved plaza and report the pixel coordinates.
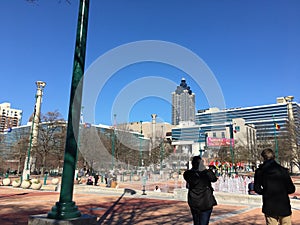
(112, 206)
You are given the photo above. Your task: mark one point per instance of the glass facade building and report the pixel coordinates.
(259, 125)
(262, 117)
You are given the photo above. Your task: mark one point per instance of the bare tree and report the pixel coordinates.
(94, 147)
(20, 148)
(288, 145)
(49, 139)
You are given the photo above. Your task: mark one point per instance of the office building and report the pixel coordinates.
(263, 118)
(9, 117)
(183, 104)
(251, 127)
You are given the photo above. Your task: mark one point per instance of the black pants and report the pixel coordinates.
(201, 218)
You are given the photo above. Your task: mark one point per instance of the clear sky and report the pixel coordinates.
(252, 48)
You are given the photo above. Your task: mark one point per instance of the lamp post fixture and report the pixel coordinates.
(66, 208)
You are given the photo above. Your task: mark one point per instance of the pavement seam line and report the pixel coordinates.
(234, 213)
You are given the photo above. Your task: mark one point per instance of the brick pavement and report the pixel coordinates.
(17, 204)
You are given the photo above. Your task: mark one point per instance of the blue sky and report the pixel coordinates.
(251, 47)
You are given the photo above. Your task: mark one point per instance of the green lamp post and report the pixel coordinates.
(113, 149)
(275, 139)
(140, 137)
(66, 208)
(231, 145)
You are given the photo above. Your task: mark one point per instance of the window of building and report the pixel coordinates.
(223, 134)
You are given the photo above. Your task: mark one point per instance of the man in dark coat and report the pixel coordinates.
(200, 194)
(274, 183)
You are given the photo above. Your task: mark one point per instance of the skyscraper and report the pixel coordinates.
(183, 104)
(9, 117)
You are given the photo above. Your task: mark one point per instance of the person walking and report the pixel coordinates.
(157, 189)
(96, 178)
(274, 183)
(200, 193)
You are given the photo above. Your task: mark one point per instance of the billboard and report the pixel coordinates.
(217, 142)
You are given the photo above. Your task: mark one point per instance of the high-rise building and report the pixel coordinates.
(253, 127)
(9, 117)
(263, 117)
(183, 104)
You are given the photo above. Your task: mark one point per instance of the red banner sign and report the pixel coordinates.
(215, 142)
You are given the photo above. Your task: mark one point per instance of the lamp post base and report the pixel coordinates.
(144, 190)
(64, 211)
(44, 220)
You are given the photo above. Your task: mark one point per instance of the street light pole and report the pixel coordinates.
(113, 141)
(162, 150)
(66, 208)
(231, 144)
(141, 154)
(113, 149)
(200, 150)
(34, 129)
(276, 141)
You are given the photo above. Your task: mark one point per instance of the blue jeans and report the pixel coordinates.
(201, 218)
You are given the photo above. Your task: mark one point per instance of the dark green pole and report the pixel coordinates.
(141, 154)
(66, 208)
(162, 152)
(113, 149)
(113, 143)
(200, 150)
(276, 141)
(30, 145)
(276, 146)
(231, 144)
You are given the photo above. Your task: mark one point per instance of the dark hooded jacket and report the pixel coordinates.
(199, 180)
(274, 183)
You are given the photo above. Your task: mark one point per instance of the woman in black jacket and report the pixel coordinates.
(274, 183)
(200, 194)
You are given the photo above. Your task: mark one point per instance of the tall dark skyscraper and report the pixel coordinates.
(183, 104)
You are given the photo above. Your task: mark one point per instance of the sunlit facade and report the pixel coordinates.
(183, 104)
(9, 117)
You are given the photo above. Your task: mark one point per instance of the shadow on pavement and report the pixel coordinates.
(110, 210)
(8, 196)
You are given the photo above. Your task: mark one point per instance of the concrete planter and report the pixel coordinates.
(36, 186)
(136, 178)
(175, 175)
(126, 178)
(16, 183)
(25, 184)
(114, 184)
(6, 181)
(55, 181)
